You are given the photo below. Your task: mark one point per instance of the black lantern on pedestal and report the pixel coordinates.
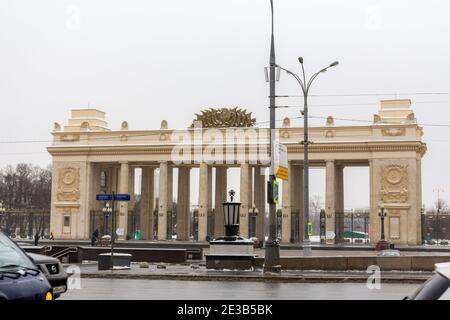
(231, 211)
(382, 244)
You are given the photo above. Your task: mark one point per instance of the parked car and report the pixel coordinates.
(19, 277)
(53, 271)
(435, 288)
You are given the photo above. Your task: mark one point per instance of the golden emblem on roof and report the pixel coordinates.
(225, 118)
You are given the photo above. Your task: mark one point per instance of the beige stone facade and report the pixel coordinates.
(90, 158)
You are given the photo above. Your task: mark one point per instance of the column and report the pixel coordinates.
(123, 205)
(245, 198)
(339, 202)
(165, 199)
(297, 201)
(260, 202)
(204, 195)
(220, 198)
(375, 225)
(330, 199)
(183, 203)
(209, 216)
(146, 212)
(131, 204)
(286, 207)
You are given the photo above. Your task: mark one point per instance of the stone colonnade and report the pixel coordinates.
(394, 184)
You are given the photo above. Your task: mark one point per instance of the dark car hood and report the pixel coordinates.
(41, 259)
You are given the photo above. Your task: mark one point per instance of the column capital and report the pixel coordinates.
(124, 162)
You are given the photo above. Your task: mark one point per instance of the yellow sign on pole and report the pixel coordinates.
(281, 161)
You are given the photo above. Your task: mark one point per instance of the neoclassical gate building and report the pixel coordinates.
(90, 158)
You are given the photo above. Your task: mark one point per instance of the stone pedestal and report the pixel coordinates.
(382, 245)
(237, 254)
(120, 261)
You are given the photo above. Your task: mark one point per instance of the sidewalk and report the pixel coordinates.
(197, 272)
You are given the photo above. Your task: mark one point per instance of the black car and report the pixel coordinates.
(53, 271)
(19, 277)
(437, 287)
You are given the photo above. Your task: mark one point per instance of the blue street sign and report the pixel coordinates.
(104, 197)
(122, 197)
(109, 197)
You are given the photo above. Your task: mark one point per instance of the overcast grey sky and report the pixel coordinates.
(144, 61)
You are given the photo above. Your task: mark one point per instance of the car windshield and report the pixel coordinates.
(11, 256)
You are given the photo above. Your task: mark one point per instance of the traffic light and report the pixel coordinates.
(273, 192)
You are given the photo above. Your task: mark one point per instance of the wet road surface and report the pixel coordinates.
(126, 289)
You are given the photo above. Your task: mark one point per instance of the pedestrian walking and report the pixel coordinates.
(94, 237)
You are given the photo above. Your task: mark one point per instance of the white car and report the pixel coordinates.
(437, 287)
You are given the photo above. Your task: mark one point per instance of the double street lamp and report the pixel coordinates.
(382, 214)
(382, 244)
(107, 210)
(305, 86)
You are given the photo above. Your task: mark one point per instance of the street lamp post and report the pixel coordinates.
(382, 244)
(254, 214)
(107, 210)
(382, 214)
(272, 255)
(305, 86)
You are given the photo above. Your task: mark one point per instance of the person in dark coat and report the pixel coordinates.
(36, 239)
(94, 237)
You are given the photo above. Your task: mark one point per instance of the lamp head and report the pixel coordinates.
(334, 64)
(232, 193)
(300, 59)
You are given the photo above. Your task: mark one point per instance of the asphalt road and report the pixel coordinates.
(124, 289)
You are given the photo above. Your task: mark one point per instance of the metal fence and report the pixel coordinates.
(351, 227)
(436, 229)
(25, 224)
(101, 222)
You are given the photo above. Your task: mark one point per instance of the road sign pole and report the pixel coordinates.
(113, 230)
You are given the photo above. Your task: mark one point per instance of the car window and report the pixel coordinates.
(445, 295)
(10, 254)
(432, 289)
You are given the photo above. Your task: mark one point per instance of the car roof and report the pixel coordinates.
(443, 269)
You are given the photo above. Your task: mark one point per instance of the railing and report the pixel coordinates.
(65, 252)
(47, 249)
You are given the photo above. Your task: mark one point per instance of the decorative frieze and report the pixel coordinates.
(393, 132)
(68, 184)
(394, 183)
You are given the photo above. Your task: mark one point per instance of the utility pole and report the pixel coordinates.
(272, 255)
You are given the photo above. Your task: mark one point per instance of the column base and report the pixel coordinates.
(307, 250)
(272, 258)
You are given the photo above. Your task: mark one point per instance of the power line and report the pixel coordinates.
(369, 94)
(372, 104)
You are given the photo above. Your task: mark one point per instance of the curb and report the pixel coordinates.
(386, 278)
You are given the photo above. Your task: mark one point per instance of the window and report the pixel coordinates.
(103, 179)
(66, 221)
